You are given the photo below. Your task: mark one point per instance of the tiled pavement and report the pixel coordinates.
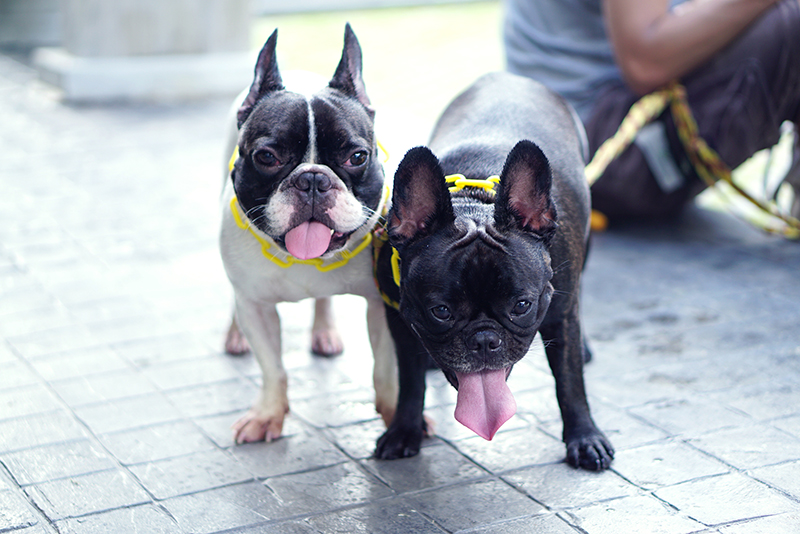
(116, 402)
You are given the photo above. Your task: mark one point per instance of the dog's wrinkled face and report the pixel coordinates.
(475, 274)
(308, 174)
(480, 308)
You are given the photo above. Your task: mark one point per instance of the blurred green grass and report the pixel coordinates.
(415, 59)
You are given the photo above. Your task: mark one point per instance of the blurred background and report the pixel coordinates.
(418, 54)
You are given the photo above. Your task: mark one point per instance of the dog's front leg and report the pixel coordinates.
(587, 447)
(262, 327)
(384, 374)
(403, 438)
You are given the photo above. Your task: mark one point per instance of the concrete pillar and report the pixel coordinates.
(28, 23)
(150, 49)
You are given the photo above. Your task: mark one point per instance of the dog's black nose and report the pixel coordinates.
(310, 182)
(485, 342)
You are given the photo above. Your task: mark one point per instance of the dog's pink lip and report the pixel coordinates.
(508, 373)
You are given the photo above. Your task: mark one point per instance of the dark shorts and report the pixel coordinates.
(739, 100)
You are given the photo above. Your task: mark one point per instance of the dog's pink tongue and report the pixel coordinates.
(484, 401)
(309, 240)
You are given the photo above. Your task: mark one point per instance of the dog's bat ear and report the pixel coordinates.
(266, 79)
(523, 198)
(420, 200)
(347, 77)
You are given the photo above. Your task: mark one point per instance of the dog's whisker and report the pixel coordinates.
(560, 267)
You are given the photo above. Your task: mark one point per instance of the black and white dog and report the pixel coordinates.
(303, 193)
(481, 270)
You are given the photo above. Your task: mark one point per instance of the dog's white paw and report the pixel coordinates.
(326, 342)
(252, 427)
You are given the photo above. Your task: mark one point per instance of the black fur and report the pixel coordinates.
(480, 274)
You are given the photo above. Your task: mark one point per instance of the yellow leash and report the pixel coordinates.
(707, 163)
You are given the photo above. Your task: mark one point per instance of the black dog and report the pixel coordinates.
(480, 272)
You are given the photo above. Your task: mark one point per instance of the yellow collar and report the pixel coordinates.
(340, 260)
(459, 182)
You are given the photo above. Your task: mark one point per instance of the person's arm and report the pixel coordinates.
(654, 46)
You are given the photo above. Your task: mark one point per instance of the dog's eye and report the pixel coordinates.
(441, 312)
(265, 158)
(357, 159)
(521, 308)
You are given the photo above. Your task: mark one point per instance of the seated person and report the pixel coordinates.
(738, 59)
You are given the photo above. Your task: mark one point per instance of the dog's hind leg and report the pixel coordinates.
(261, 325)
(235, 342)
(325, 339)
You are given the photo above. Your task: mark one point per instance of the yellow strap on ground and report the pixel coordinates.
(707, 163)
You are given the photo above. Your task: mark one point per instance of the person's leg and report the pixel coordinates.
(739, 101)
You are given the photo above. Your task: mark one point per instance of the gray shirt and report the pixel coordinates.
(562, 44)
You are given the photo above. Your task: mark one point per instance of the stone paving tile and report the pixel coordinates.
(555, 486)
(52, 462)
(43, 429)
(383, 517)
(665, 464)
(52, 341)
(190, 474)
(81, 495)
(103, 387)
(191, 372)
(549, 523)
(27, 400)
(31, 318)
(790, 425)
(690, 416)
(358, 440)
(470, 505)
(326, 489)
(286, 527)
(750, 446)
(337, 409)
(15, 512)
(782, 476)
(125, 413)
(726, 498)
(538, 404)
(621, 427)
(156, 442)
(767, 400)
(291, 454)
(143, 353)
(435, 466)
(79, 363)
(632, 514)
(115, 308)
(7, 357)
(513, 449)
(224, 508)
(212, 399)
(765, 525)
(133, 520)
